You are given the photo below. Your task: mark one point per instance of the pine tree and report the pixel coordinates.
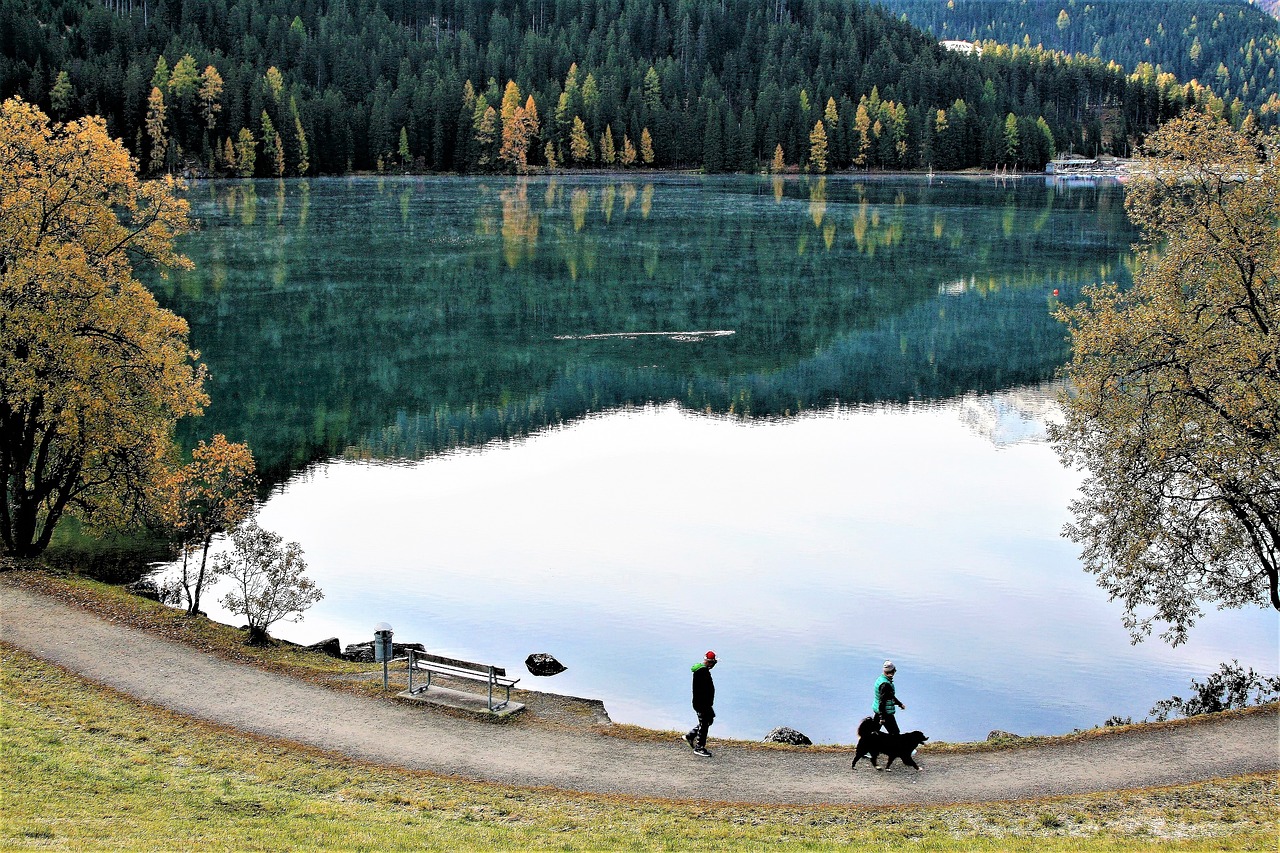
(1012, 142)
(272, 146)
(818, 148)
(209, 96)
(156, 129)
(646, 147)
(779, 164)
(229, 155)
(579, 144)
(303, 163)
(608, 153)
(60, 96)
(628, 156)
(484, 134)
(246, 153)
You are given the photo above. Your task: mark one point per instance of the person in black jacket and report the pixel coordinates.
(704, 696)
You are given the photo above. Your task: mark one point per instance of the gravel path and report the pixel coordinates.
(208, 688)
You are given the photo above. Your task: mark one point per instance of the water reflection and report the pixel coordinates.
(409, 316)
(805, 551)
(855, 473)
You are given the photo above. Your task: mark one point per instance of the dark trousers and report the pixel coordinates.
(699, 732)
(889, 723)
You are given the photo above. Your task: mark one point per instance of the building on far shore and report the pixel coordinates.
(961, 46)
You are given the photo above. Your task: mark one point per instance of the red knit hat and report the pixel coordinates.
(711, 655)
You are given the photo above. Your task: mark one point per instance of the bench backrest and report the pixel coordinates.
(460, 664)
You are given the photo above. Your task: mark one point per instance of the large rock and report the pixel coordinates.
(330, 647)
(145, 588)
(997, 734)
(363, 652)
(542, 663)
(782, 734)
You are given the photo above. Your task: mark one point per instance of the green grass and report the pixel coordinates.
(85, 768)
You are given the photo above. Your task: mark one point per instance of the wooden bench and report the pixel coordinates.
(495, 676)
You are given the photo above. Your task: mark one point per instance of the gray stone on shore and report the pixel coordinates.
(330, 647)
(145, 588)
(997, 734)
(541, 663)
(363, 652)
(782, 734)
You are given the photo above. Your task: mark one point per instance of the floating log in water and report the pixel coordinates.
(675, 336)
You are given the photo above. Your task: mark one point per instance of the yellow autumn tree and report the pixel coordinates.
(1175, 410)
(608, 152)
(93, 372)
(579, 142)
(518, 130)
(628, 156)
(818, 148)
(157, 129)
(210, 95)
(646, 147)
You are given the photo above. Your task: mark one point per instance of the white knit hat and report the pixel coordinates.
(889, 667)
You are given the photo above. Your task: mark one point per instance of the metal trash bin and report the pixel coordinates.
(383, 649)
(382, 646)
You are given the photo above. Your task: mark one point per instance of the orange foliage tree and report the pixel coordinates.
(93, 372)
(209, 495)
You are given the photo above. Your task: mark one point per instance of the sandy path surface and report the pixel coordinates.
(208, 688)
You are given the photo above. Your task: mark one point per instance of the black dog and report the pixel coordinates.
(873, 742)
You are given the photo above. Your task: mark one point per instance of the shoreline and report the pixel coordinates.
(553, 710)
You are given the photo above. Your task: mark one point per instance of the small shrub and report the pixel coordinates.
(1230, 687)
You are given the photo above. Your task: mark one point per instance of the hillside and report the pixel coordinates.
(272, 87)
(1230, 45)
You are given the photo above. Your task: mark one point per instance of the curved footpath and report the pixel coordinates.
(208, 688)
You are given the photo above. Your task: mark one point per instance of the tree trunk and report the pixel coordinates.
(257, 637)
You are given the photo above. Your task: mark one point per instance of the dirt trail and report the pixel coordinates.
(208, 688)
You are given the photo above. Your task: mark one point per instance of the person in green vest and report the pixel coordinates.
(886, 701)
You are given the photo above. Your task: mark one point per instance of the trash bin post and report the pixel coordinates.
(382, 648)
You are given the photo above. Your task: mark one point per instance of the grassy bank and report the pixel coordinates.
(85, 768)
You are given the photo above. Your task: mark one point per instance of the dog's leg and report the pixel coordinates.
(910, 762)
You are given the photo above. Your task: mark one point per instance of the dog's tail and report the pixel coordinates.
(869, 725)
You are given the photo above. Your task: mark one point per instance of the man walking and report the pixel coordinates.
(886, 701)
(704, 696)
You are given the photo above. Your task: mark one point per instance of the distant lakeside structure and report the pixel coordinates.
(962, 46)
(1074, 165)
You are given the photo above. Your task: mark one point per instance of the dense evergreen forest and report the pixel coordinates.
(1231, 45)
(289, 87)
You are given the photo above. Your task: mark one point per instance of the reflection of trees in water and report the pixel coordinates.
(1015, 415)
(909, 358)
(342, 314)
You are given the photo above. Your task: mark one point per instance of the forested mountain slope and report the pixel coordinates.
(1230, 45)
(281, 87)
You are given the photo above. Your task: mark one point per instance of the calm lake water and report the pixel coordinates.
(800, 422)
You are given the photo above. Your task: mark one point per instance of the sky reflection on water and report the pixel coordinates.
(803, 551)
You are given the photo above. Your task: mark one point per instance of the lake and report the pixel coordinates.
(798, 421)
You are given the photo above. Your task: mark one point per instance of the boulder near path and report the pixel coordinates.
(204, 687)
